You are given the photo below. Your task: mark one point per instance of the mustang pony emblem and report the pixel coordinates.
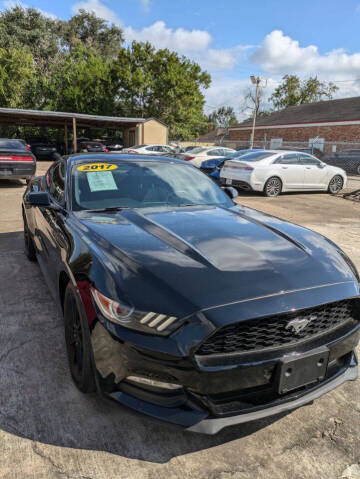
(298, 324)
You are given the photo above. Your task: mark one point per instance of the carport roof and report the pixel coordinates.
(10, 116)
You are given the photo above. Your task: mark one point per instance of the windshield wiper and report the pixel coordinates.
(108, 209)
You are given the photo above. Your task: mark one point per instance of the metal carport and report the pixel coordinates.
(50, 119)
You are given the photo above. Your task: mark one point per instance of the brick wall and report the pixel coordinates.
(350, 133)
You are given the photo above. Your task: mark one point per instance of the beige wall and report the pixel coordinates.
(150, 132)
(154, 132)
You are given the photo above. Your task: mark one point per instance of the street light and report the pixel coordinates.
(256, 81)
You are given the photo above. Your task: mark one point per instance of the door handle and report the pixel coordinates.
(308, 167)
(284, 167)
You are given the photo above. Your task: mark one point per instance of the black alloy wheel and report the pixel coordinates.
(335, 185)
(273, 187)
(78, 342)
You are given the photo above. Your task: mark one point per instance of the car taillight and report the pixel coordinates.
(106, 150)
(189, 158)
(88, 147)
(27, 147)
(4, 159)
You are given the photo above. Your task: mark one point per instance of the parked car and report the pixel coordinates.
(349, 160)
(16, 161)
(92, 147)
(43, 151)
(153, 150)
(275, 171)
(115, 146)
(182, 305)
(202, 153)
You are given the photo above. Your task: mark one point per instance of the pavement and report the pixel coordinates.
(50, 430)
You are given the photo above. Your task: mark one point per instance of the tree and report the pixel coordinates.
(249, 103)
(83, 82)
(293, 91)
(162, 84)
(223, 117)
(16, 72)
(86, 29)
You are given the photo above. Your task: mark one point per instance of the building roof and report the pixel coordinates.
(344, 109)
(11, 116)
(212, 135)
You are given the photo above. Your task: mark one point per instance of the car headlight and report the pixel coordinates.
(126, 315)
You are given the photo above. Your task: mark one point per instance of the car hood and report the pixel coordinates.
(184, 260)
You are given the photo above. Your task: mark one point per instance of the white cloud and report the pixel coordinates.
(163, 37)
(280, 54)
(11, 4)
(97, 7)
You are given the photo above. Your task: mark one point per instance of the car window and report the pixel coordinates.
(290, 159)
(151, 148)
(56, 181)
(308, 160)
(12, 145)
(214, 153)
(198, 149)
(143, 184)
(256, 156)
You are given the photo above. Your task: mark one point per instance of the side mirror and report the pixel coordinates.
(38, 198)
(322, 165)
(231, 192)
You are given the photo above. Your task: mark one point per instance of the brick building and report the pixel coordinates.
(328, 122)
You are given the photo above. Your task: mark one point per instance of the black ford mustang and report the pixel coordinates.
(182, 305)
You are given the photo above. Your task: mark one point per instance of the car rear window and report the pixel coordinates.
(255, 156)
(12, 145)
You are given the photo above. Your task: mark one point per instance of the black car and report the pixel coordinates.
(92, 147)
(182, 305)
(43, 151)
(16, 161)
(348, 160)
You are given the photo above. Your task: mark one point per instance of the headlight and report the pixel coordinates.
(125, 315)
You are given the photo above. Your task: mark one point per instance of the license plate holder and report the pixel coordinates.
(228, 181)
(301, 370)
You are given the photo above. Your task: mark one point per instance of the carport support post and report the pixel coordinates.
(66, 140)
(74, 133)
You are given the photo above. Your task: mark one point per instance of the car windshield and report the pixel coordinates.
(142, 185)
(256, 156)
(12, 145)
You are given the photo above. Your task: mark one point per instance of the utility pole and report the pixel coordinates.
(256, 81)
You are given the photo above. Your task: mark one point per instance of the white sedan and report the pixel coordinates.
(274, 172)
(148, 149)
(201, 153)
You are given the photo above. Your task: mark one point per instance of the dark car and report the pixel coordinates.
(16, 161)
(348, 160)
(182, 305)
(116, 146)
(43, 151)
(92, 147)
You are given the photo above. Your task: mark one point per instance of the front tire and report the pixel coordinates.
(78, 342)
(336, 185)
(273, 187)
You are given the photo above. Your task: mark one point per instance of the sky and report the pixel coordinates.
(233, 39)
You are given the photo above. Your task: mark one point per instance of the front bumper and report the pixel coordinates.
(17, 171)
(213, 395)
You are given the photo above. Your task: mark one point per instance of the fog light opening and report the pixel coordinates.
(152, 382)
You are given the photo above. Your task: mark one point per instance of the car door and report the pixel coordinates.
(49, 221)
(316, 173)
(290, 170)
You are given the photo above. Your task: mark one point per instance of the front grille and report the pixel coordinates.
(274, 332)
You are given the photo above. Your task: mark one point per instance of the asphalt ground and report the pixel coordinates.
(50, 430)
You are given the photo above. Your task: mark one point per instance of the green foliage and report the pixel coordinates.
(81, 65)
(294, 91)
(164, 85)
(16, 71)
(223, 117)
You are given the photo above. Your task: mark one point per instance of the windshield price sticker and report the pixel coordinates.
(97, 167)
